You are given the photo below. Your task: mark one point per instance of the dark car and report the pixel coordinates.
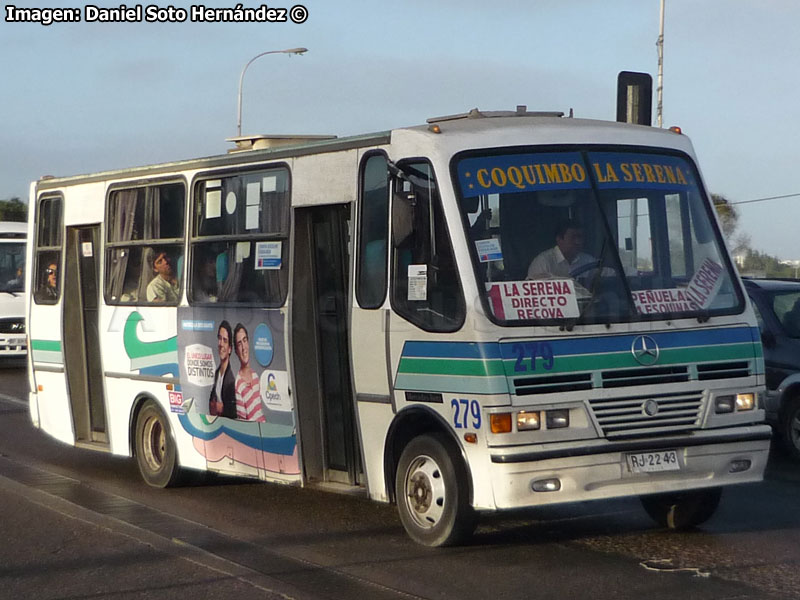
(777, 306)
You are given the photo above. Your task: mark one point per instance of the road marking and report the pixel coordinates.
(13, 400)
(288, 577)
(664, 565)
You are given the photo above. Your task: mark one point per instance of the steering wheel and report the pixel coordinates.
(583, 269)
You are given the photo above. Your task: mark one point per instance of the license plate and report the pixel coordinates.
(653, 462)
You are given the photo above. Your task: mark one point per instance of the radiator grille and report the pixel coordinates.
(644, 376)
(527, 386)
(628, 417)
(723, 370)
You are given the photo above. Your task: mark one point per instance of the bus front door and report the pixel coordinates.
(320, 348)
(82, 361)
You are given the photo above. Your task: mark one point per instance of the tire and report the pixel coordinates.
(433, 492)
(790, 428)
(682, 510)
(155, 449)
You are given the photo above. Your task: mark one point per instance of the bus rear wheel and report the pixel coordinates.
(155, 449)
(682, 510)
(432, 492)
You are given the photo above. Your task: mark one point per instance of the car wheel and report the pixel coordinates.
(156, 454)
(682, 510)
(790, 428)
(432, 492)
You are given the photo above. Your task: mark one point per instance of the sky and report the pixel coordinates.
(90, 96)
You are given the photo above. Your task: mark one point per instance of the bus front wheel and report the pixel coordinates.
(682, 510)
(432, 492)
(155, 450)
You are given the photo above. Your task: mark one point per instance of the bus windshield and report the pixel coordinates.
(12, 266)
(592, 237)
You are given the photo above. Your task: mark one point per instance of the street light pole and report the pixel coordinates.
(660, 44)
(241, 80)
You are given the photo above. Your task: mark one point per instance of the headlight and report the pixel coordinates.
(527, 421)
(557, 419)
(724, 404)
(745, 401)
(737, 403)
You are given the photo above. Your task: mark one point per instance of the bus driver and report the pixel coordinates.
(566, 257)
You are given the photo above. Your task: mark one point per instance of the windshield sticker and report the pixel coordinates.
(705, 284)
(515, 173)
(489, 250)
(522, 300)
(698, 295)
(650, 302)
(268, 256)
(417, 282)
(648, 171)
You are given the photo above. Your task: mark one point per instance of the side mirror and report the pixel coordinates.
(768, 339)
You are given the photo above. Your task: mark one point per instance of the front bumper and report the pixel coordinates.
(598, 469)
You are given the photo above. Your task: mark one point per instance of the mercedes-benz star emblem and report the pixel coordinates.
(645, 350)
(650, 408)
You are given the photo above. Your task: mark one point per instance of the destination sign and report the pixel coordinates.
(648, 171)
(516, 173)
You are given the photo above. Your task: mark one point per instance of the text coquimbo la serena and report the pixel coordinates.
(153, 13)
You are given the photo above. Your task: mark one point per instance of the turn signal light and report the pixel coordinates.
(500, 422)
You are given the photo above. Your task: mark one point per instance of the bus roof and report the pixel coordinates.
(13, 230)
(453, 133)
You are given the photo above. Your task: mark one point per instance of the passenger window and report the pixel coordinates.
(144, 248)
(374, 232)
(239, 245)
(47, 280)
(426, 289)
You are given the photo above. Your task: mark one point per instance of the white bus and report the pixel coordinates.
(13, 343)
(484, 312)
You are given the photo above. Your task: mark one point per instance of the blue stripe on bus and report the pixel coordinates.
(622, 343)
(475, 350)
(582, 345)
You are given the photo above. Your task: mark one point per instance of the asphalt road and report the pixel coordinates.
(81, 524)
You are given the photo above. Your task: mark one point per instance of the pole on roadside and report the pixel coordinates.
(660, 45)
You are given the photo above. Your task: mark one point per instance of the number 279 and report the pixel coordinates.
(466, 413)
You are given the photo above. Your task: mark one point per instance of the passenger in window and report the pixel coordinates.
(49, 289)
(205, 282)
(222, 401)
(565, 259)
(248, 389)
(164, 286)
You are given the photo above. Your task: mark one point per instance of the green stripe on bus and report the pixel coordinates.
(135, 348)
(447, 366)
(47, 345)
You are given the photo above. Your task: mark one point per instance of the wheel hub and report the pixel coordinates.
(425, 491)
(154, 444)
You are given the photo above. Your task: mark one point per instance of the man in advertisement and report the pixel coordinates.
(222, 402)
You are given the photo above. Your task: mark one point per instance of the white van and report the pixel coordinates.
(13, 343)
